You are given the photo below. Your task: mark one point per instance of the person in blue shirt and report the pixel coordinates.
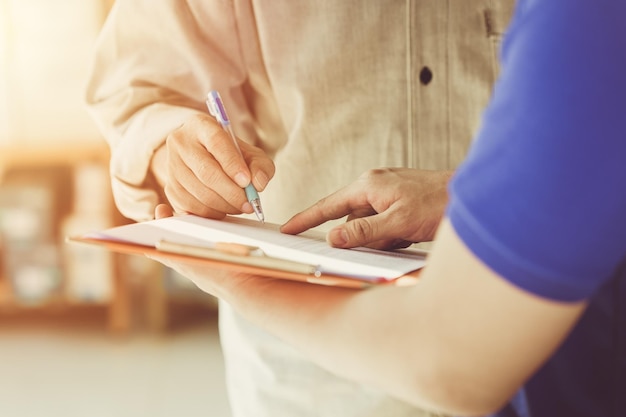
(521, 309)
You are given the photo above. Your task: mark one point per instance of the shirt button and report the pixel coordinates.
(426, 75)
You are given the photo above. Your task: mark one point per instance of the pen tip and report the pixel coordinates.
(256, 205)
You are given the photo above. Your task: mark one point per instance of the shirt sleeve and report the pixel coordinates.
(540, 198)
(153, 65)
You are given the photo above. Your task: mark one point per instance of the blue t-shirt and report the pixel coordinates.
(541, 198)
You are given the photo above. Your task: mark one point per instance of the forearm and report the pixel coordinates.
(445, 343)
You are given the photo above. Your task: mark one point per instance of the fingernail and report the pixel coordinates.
(261, 179)
(338, 237)
(242, 179)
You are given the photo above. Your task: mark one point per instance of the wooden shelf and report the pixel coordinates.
(159, 305)
(24, 159)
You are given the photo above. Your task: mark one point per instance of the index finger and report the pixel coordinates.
(335, 206)
(223, 145)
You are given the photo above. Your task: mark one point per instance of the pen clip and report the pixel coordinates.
(230, 252)
(216, 108)
(238, 249)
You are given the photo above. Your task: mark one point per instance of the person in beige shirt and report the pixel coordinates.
(318, 93)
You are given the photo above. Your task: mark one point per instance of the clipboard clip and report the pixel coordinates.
(238, 254)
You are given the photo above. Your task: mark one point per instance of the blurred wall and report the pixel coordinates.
(45, 49)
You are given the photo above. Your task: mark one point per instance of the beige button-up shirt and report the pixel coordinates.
(328, 88)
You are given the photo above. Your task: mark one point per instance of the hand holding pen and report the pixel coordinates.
(216, 109)
(202, 172)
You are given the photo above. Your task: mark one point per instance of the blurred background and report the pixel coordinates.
(83, 332)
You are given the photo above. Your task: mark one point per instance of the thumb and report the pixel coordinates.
(357, 232)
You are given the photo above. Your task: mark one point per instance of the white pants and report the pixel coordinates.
(267, 378)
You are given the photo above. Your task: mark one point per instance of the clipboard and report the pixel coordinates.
(161, 238)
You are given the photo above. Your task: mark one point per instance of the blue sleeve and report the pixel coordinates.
(541, 198)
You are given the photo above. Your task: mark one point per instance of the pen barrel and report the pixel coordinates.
(229, 129)
(251, 193)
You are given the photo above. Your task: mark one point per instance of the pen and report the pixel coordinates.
(216, 109)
